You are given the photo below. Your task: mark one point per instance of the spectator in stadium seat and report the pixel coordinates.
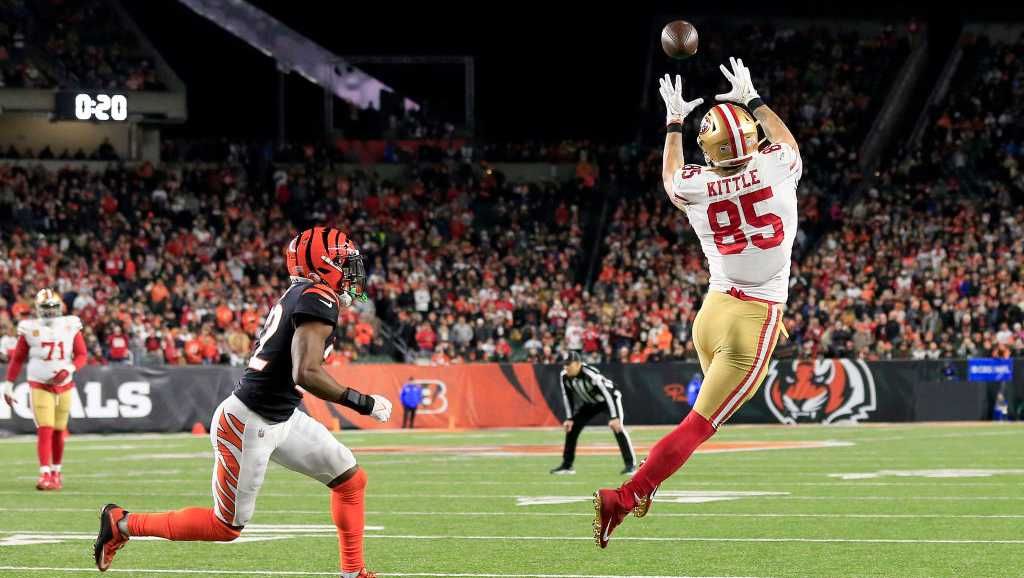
(193, 350)
(363, 334)
(224, 316)
(502, 350)
(426, 338)
(117, 345)
(441, 355)
(239, 346)
(152, 353)
(8, 340)
(208, 343)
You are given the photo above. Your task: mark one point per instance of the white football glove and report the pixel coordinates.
(345, 299)
(742, 87)
(381, 408)
(673, 95)
(7, 390)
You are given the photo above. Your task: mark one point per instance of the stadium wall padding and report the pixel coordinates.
(172, 399)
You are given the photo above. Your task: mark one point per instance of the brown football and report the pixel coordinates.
(679, 39)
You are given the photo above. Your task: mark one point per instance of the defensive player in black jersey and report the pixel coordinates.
(260, 422)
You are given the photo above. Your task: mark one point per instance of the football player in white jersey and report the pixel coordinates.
(54, 348)
(743, 207)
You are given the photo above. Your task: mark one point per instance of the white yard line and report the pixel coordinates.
(562, 482)
(51, 495)
(695, 539)
(331, 535)
(226, 572)
(440, 513)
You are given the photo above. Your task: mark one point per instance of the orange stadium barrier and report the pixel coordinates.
(119, 398)
(459, 396)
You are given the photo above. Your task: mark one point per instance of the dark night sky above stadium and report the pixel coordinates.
(544, 70)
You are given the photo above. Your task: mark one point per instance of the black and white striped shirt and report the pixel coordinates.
(589, 386)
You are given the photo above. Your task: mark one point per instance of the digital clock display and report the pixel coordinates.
(90, 105)
(101, 107)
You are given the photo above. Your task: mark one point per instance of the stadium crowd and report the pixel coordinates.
(166, 265)
(71, 44)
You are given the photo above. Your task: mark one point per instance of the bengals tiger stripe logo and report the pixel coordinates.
(820, 391)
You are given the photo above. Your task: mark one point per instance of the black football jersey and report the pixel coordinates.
(267, 386)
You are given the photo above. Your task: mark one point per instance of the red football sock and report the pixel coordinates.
(667, 456)
(58, 447)
(348, 513)
(44, 446)
(189, 524)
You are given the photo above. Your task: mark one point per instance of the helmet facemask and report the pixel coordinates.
(49, 310)
(349, 263)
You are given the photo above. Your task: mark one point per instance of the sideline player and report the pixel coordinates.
(260, 422)
(55, 349)
(743, 207)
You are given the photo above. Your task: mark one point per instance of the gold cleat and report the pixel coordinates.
(597, 518)
(644, 504)
(640, 510)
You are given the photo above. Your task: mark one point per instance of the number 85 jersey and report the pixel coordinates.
(746, 221)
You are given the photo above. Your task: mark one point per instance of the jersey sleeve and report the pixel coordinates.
(24, 327)
(687, 185)
(80, 352)
(18, 358)
(565, 395)
(74, 324)
(316, 303)
(783, 160)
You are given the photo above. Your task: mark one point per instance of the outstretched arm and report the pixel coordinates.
(742, 92)
(774, 128)
(677, 109)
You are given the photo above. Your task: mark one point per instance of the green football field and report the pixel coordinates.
(891, 500)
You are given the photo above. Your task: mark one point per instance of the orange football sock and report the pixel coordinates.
(189, 524)
(348, 513)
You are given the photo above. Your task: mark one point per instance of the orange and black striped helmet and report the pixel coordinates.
(331, 256)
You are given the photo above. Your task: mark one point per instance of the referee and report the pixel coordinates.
(587, 393)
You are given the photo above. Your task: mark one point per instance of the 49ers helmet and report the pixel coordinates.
(728, 135)
(49, 304)
(329, 255)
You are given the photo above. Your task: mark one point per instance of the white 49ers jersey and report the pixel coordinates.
(51, 345)
(746, 222)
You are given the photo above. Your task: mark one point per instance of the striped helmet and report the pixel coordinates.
(48, 303)
(330, 256)
(728, 135)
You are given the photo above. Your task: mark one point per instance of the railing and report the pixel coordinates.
(895, 105)
(938, 92)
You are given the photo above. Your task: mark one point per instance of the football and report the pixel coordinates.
(679, 39)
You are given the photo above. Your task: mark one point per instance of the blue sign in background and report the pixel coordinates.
(989, 369)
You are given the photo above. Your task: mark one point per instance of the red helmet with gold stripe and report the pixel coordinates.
(327, 255)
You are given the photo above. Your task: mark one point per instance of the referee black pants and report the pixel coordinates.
(579, 420)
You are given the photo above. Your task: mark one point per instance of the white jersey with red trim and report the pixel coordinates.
(746, 222)
(51, 345)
